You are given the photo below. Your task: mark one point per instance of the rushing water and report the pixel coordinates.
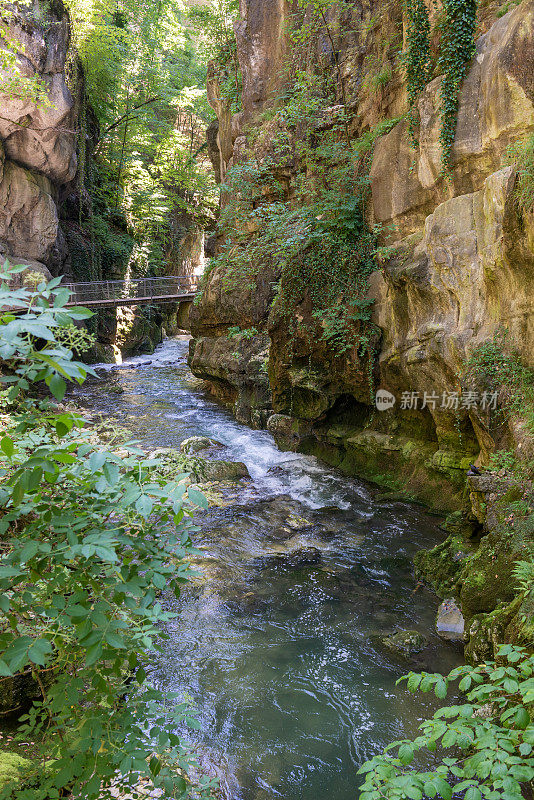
(285, 660)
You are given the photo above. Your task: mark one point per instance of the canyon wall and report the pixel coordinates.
(47, 171)
(459, 260)
(456, 265)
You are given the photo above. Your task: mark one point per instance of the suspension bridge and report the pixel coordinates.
(133, 292)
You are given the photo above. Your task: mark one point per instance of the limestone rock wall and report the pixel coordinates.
(38, 150)
(461, 255)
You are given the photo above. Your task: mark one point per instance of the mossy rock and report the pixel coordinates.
(226, 471)
(13, 768)
(488, 631)
(195, 444)
(487, 579)
(442, 566)
(405, 643)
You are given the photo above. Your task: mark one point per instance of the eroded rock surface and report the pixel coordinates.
(460, 265)
(38, 149)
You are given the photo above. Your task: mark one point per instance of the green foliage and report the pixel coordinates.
(319, 239)
(522, 155)
(213, 22)
(417, 56)
(146, 84)
(490, 737)
(506, 7)
(457, 49)
(457, 29)
(496, 365)
(235, 332)
(89, 540)
(13, 82)
(504, 459)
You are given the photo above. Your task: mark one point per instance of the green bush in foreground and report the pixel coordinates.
(490, 737)
(88, 540)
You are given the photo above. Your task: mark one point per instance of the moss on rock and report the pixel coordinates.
(13, 768)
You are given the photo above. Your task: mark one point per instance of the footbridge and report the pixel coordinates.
(133, 292)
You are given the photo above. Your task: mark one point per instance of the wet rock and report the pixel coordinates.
(303, 557)
(226, 471)
(197, 443)
(450, 621)
(116, 389)
(405, 642)
(298, 523)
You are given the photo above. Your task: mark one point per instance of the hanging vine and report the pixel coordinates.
(457, 48)
(417, 57)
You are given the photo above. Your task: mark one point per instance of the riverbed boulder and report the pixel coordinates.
(196, 444)
(300, 557)
(225, 471)
(405, 643)
(449, 621)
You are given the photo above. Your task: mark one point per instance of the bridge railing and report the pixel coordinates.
(131, 289)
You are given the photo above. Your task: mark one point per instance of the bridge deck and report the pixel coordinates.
(133, 292)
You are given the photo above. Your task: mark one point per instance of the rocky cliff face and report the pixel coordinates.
(457, 265)
(459, 262)
(38, 158)
(46, 156)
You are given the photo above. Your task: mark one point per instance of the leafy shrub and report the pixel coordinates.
(490, 737)
(496, 364)
(89, 539)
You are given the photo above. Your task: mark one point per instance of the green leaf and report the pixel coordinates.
(7, 446)
(442, 788)
(144, 506)
(197, 498)
(97, 461)
(57, 386)
(473, 794)
(440, 689)
(39, 651)
(115, 640)
(406, 754)
(522, 718)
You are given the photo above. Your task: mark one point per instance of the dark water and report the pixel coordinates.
(285, 663)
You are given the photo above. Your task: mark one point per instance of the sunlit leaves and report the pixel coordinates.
(492, 731)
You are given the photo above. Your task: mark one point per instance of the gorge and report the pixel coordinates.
(355, 189)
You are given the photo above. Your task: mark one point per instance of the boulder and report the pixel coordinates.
(405, 642)
(225, 471)
(29, 223)
(195, 444)
(301, 557)
(450, 621)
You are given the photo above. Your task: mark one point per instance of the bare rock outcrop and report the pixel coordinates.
(29, 223)
(38, 158)
(40, 137)
(495, 109)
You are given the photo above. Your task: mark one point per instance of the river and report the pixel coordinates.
(285, 662)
